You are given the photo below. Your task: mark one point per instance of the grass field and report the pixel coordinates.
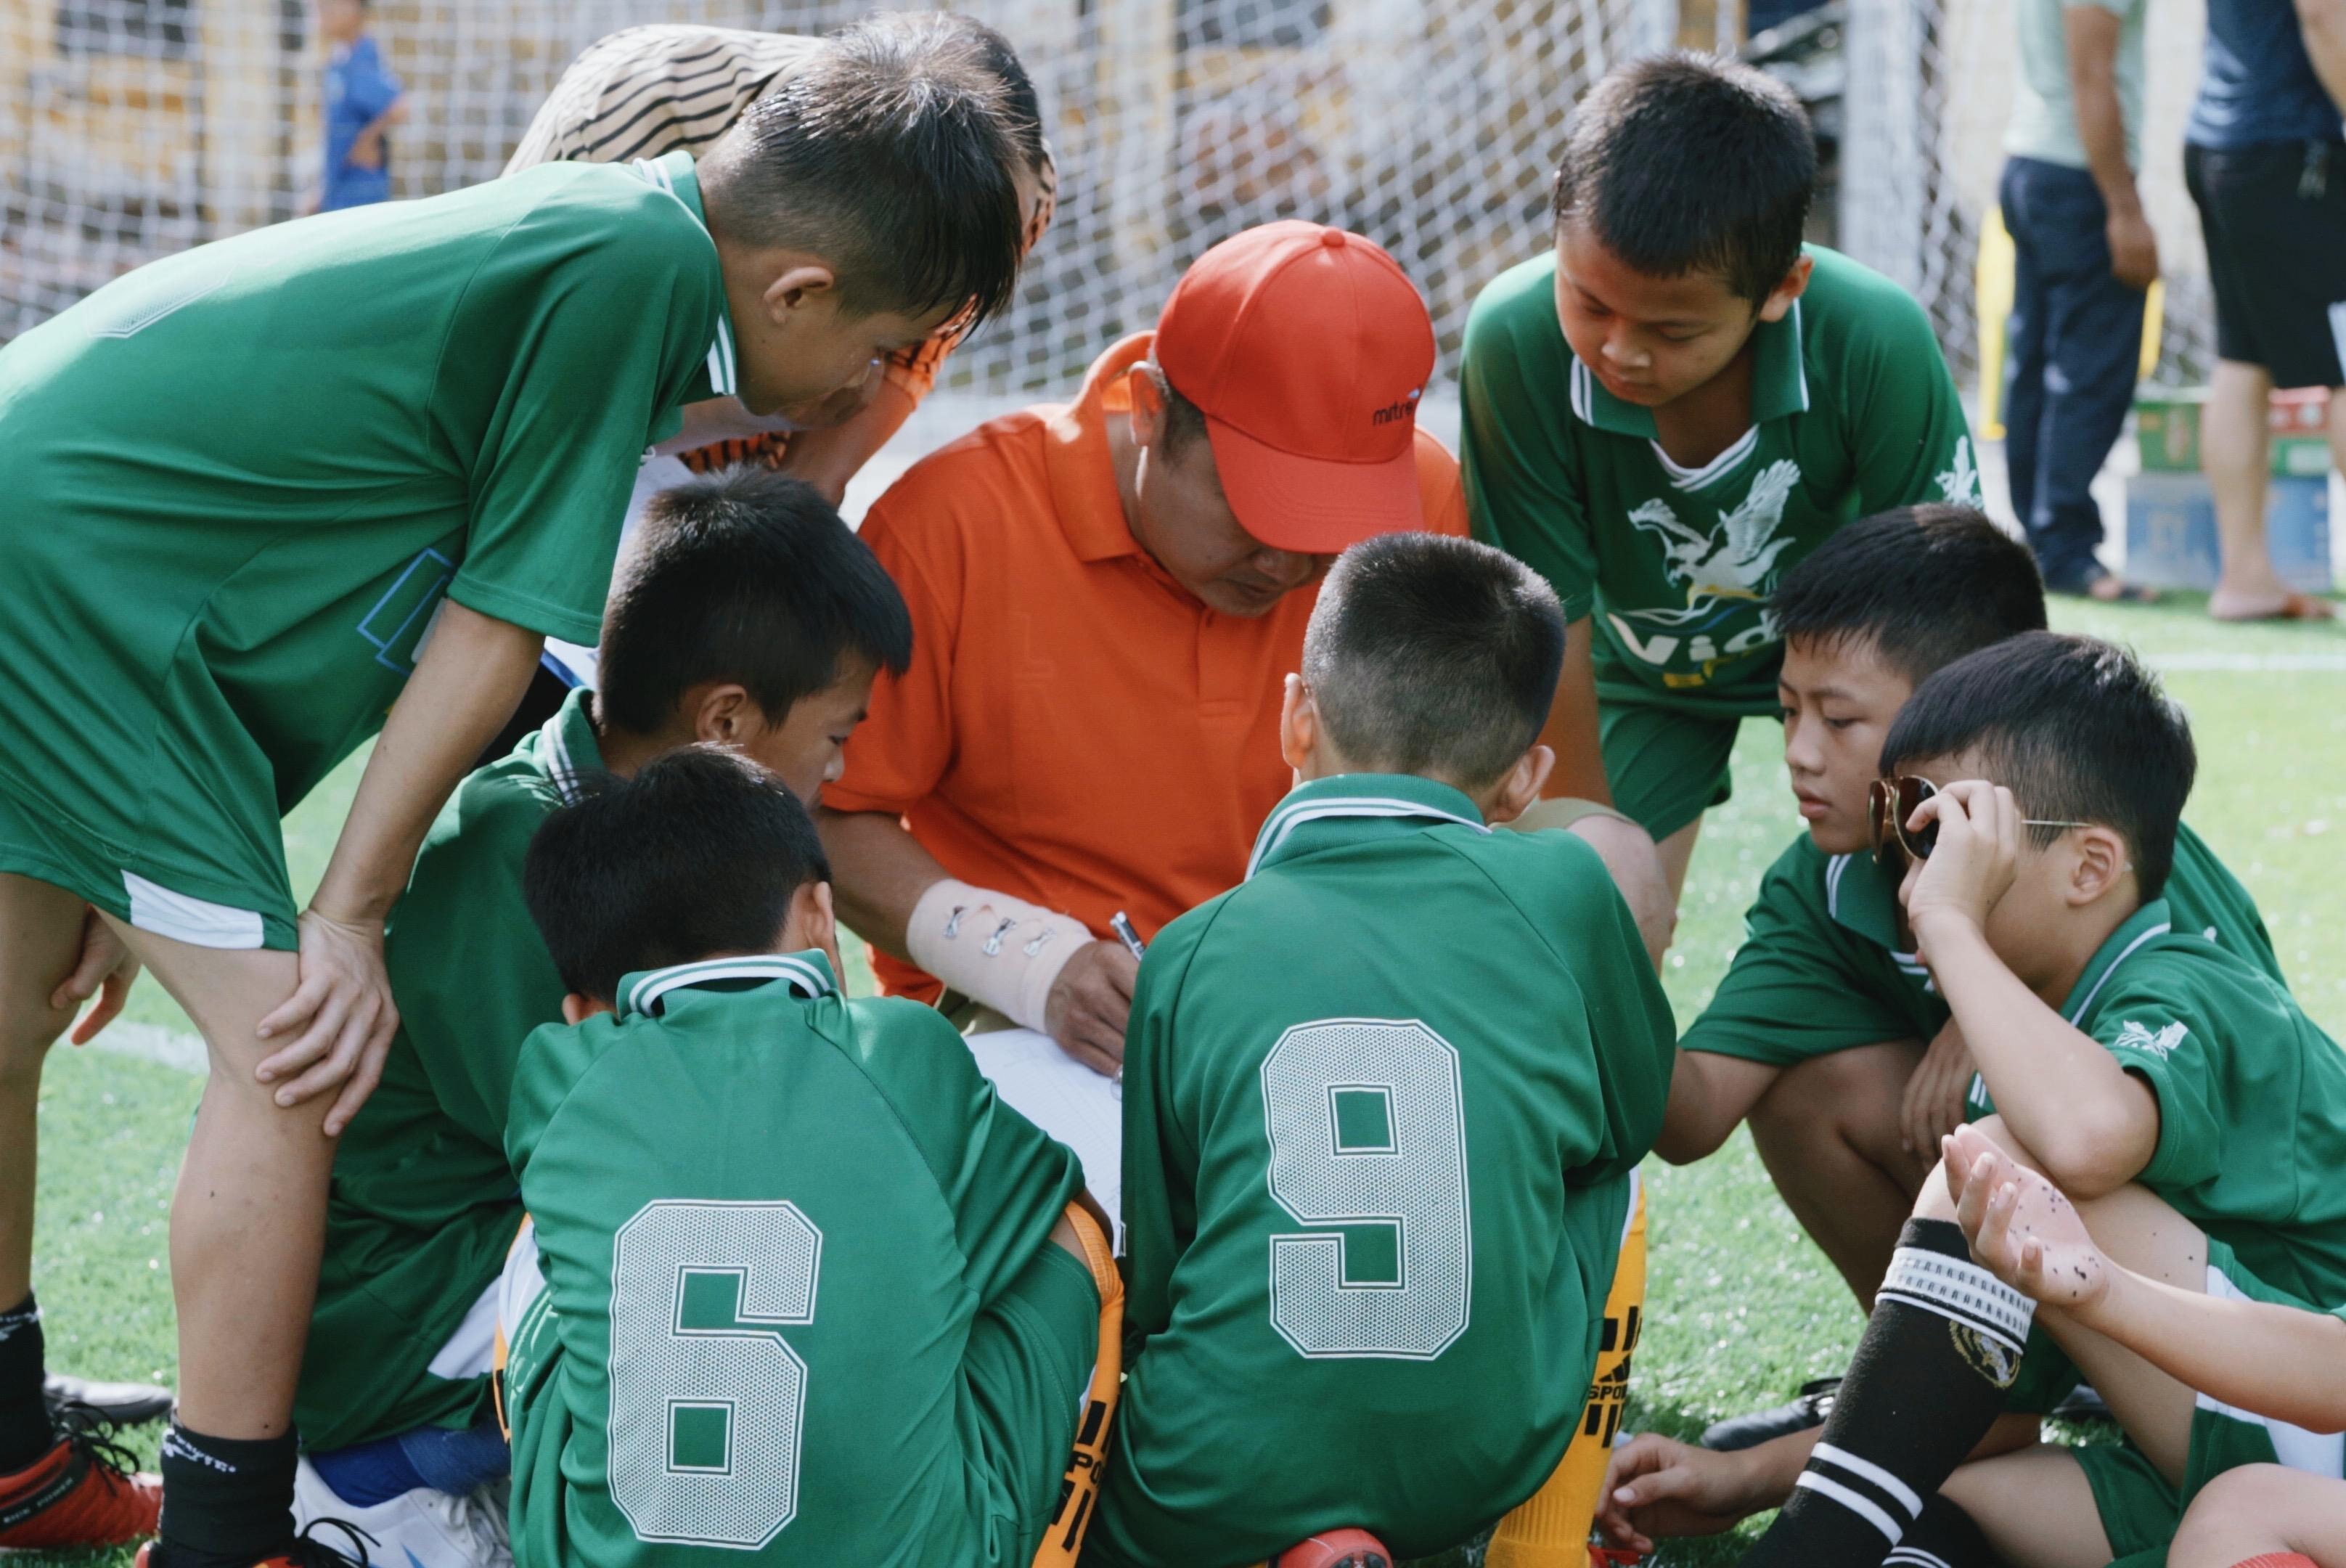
(1741, 1308)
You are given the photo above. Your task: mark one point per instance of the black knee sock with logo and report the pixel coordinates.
(25, 1433)
(226, 1502)
(1928, 1381)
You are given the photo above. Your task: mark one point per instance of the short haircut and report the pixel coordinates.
(1681, 162)
(1434, 655)
(1023, 105)
(890, 154)
(697, 855)
(1925, 585)
(2074, 727)
(1185, 422)
(748, 575)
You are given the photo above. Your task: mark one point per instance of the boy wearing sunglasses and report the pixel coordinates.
(2123, 1055)
(1826, 1032)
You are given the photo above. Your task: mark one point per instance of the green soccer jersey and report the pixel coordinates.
(1825, 965)
(1852, 413)
(774, 1225)
(242, 479)
(1381, 1102)
(2251, 1096)
(424, 1203)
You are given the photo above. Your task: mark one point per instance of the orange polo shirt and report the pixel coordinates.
(1077, 729)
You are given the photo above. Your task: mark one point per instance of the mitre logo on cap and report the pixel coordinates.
(1307, 350)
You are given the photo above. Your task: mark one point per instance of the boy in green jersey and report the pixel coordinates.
(1384, 1103)
(1675, 405)
(1826, 1032)
(401, 440)
(744, 614)
(2033, 790)
(798, 1285)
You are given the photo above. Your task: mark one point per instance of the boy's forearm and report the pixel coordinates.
(2274, 1360)
(2091, 1124)
(470, 679)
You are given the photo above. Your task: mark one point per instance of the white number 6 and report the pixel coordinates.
(1367, 1133)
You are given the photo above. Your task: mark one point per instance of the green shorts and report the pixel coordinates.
(205, 905)
(1023, 1381)
(2139, 1508)
(1666, 767)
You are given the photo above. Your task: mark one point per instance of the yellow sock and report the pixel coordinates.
(1550, 1528)
(1063, 1542)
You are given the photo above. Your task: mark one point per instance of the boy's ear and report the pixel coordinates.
(2101, 859)
(798, 283)
(1299, 724)
(814, 922)
(577, 1007)
(722, 712)
(1778, 303)
(1521, 787)
(1147, 415)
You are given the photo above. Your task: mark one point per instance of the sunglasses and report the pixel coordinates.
(1891, 804)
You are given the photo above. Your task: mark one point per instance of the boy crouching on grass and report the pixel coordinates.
(1384, 1103)
(798, 1285)
(2035, 790)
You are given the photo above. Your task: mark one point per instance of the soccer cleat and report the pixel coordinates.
(126, 1404)
(424, 1527)
(303, 1551)
(85, 1492)
(1335, 1549)
(1805, 1409)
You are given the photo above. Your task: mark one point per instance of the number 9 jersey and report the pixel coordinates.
(1382, 1104)
(800, 1304)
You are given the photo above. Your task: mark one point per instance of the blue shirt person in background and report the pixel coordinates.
(364, 99)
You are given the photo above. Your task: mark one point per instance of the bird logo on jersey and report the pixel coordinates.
(1959, 484)
(2133, 1036)
(1734, 559)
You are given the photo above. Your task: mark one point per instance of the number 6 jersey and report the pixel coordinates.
(1381, 1101)
(800, 1305)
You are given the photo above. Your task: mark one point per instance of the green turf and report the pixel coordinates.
(1741, 1308)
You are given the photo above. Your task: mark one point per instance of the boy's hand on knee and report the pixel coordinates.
(344, 1010)
(105, 969)
(1933, 1105)
(1660, 1487)
(2020, 1225)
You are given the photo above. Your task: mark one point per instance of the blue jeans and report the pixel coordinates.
(2071, 347)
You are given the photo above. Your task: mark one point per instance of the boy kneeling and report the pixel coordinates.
(1383, 1102)
(809, 1288)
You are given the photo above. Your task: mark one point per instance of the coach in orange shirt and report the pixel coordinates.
(1106, 597)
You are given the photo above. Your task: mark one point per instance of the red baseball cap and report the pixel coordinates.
(1307, 349)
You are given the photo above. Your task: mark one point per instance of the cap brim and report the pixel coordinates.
(1311, 505)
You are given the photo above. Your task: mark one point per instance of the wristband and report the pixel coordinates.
(1001, 950)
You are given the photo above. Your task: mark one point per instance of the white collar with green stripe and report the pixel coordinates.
(1404, 798)
(807, 973)
(674, 173)
(567, 746)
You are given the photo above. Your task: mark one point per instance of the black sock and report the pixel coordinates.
(25, 1430)
(226, 1501)
(1928, 1381)
(1943, 1537)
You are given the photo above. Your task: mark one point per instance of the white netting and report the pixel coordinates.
(130, 128)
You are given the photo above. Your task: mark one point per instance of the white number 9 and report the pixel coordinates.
(1368, 1133)
(707, 1399)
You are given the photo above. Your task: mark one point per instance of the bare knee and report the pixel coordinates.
(2251, 1510)
(1847, 1098)
(1636, 867)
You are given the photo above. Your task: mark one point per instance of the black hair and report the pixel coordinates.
(1434, 655)
(1682, 162)
(1185, 422)
(2074, 727)
(890, 154)
(1925, 585)
(697, 855)
(1023, 105)
(748, 576)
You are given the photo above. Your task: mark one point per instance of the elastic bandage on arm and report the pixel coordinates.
(1003, 952)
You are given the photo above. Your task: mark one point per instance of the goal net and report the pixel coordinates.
(132, 128)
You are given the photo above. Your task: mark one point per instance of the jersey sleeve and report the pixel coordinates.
(1792, 992)
(2157, 1033)
(1523, 485)
(598, 314)
(1003, 1179)
(1906, 420)
(469, 973)
(906, 740)
(1160, 1153)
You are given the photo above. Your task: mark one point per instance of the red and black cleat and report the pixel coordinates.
(1336, 1549)
(85, 1492)
(304, 1551)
